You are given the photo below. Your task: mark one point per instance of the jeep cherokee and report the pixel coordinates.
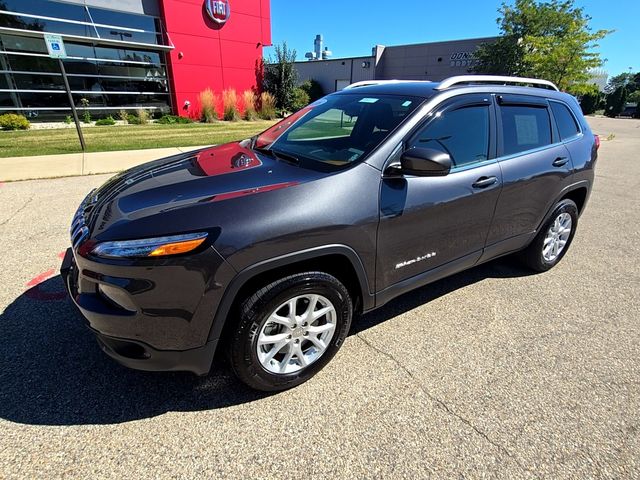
(267, 247)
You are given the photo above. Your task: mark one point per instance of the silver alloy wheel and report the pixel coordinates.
(557, 237)
(296, 334)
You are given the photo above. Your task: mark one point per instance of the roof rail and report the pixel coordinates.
(365, 83)
(451, 81)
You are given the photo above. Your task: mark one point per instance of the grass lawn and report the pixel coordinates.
(124, 137)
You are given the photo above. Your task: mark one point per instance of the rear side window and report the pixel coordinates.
(567, 125)
(524, 127)
(462, 133)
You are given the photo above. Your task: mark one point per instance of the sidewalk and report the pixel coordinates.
(48, 166)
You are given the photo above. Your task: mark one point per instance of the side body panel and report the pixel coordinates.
(337, 209)
(428, 222)
(532, 181)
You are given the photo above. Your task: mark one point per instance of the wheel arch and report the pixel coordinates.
(577, 191)
(340, 261)
(578, 195)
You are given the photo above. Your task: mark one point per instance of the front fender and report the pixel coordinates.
(248, 273)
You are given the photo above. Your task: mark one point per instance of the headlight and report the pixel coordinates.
(150, 247)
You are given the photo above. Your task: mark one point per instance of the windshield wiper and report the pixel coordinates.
(279, 154)
(287, 157)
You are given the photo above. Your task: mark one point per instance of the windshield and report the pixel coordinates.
(337, 130)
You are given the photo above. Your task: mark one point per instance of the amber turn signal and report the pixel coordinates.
(177, 247)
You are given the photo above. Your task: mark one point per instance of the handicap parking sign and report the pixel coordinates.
(55, 46)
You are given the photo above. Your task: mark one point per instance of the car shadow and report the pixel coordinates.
(53, 373)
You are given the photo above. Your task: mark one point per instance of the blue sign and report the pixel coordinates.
(55, 46)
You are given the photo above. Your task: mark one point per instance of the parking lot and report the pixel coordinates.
(493, 372)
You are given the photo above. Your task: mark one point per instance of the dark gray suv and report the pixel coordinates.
(267, 247)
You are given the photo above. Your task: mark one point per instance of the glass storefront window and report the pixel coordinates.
(109, 77)
(71, 19)
(16, 43)
(46, 8)
(128, 20)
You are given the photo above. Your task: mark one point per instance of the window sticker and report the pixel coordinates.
(407, 103)
(368, 100)
(526, 129)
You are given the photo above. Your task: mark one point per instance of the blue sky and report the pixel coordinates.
(351, 28)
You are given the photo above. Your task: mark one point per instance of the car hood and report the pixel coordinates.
(196, 180)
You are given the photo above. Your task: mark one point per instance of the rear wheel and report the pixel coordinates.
(289, 330)
(553, 240)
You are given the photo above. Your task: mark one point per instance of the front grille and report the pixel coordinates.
(79, 231)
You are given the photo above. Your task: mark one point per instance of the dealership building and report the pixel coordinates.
(425, 61)
(127, 54)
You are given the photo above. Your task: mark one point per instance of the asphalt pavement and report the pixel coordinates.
(493, 372)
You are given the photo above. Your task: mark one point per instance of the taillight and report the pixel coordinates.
(597, 140)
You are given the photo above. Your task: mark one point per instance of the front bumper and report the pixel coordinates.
(171, 305)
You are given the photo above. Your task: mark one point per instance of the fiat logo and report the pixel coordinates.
(218, 10)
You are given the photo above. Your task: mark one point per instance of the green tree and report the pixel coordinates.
(280, 77)
(616, 101)
(629, 80)
(550, 40)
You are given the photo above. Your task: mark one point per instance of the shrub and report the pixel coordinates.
(300, 99)
(249, 99)
(143, 116)
(12, 121)
(123, 115)
(313, 89)
(267, 106)
(616, 101)
(230, 105)
(106, 121)
(68, 120)
(132, 119)
(173, 119)
(208, 106)
(589, 102)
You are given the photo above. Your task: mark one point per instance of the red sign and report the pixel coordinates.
(218, 10)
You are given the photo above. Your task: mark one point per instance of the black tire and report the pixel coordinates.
(532, 256)
(254, 312)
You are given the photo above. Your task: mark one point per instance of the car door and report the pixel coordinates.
(429, 222)
(535, 166)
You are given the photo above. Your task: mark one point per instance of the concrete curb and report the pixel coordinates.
(73, 164)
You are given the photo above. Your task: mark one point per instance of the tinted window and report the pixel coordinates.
(565, 120)
(462, 133)
(119, 25)
(337, 130)
(525, 128)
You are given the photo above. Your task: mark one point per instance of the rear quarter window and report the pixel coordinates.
(565, 120)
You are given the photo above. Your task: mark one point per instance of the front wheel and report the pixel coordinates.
(553, 240)
(289, 330)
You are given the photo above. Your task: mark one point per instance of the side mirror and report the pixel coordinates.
(425, 162)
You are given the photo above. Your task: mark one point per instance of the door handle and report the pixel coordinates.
(484, 182)
(560, 161)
